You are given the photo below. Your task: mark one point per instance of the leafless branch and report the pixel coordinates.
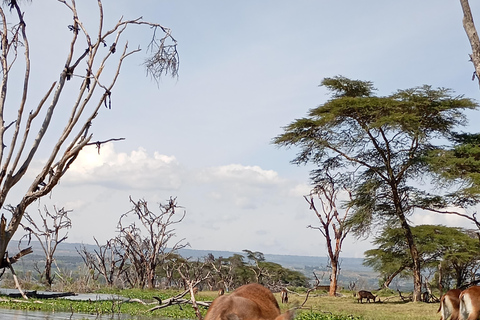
(83, 60)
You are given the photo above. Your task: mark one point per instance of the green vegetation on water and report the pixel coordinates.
(112, 307)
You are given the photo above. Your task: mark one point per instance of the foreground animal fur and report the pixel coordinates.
(449, 305)
(470, 303)
(249, 302)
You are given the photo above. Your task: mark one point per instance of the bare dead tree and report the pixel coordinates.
(333, 224)
(86, 62)
(192, 274)
(50, 233)
(105, 260)
(145, 246)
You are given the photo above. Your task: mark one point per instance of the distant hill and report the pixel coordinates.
(352, 269)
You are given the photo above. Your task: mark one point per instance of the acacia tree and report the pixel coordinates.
(223, 274)
(380, 142)
(333, 223)
(452, 248)
(256, 259)
(92, 66)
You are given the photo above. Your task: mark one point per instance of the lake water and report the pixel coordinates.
(8, 314)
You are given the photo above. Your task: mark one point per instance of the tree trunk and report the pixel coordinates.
(48, 272)
(7, 232)
(416, 268)
(333, 279)
(417, 277)
(151, 278)
(472, 34)
(440, 278)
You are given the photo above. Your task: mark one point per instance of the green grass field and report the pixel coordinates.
(392, 307)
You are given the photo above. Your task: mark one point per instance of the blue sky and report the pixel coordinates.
(247, 69)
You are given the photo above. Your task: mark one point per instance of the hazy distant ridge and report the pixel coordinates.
(292, 261)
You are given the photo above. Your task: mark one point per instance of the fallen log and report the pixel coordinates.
(38, 295)
(178, 300)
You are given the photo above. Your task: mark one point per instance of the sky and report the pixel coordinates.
(247, 69)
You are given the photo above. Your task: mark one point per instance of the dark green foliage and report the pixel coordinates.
(233, 272)
(454, 248)
(280, 276)
(459, 166)
(344, 87)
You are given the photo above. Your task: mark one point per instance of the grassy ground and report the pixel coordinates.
(392, 308)
(344, 306)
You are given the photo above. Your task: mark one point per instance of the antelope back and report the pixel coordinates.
(249, 302)
(470, 303)
(450, 304)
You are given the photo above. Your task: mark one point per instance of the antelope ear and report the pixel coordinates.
(286, 316)
(232, 316)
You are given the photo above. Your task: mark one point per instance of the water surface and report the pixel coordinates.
(10, 314)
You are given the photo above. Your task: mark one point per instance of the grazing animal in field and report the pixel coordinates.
(284, 295)
(249, 302)
(363, 294)
(450, 305)
(470, 303)
(221, 292)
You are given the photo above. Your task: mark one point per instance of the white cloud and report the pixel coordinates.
(246, 187)
(136, 170)
(450, 220)
(236, 173)
(245, 206)
(300, 190)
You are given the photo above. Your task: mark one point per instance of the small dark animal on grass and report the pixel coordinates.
(363, 294)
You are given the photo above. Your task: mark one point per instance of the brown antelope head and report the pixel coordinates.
(251, 301)
(470, 303)
(449, 305)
